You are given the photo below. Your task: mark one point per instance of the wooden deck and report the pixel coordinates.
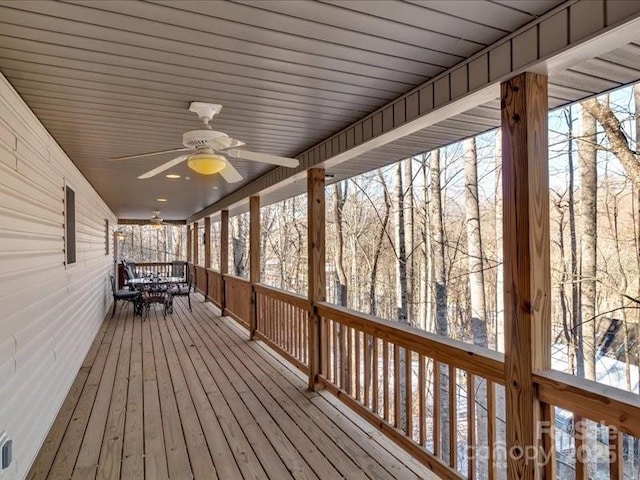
(188, 396)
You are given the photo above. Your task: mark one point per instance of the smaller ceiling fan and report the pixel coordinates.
(155, 221)
(206, 145)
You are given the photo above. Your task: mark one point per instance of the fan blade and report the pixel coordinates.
(223, 142)
(160, 152)
(264, 158)
(163, 167)
(230, 174)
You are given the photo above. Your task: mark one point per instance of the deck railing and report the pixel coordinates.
(214, 287)
(440, 399)
(145, 269)
(421, 390)
(238, 296)
(282, 321)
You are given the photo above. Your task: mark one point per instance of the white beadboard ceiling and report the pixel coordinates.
(112, 78)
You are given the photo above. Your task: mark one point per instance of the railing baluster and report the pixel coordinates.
(281, 323)
(453, 419)
(292, 328)
(300, 327)
(300, 323)
(350, 360)
(580, 447)
(471, 431)
(385, 379)
(290, 342)
(336, 351)
(491, 429)
(287, 314)
(408, 427)
(436, 410)
(374, 389)
(343, 357)
(616, 452)
(421, 400)
(357, 370)
(396, 386)
(258, 312)
(367, 369)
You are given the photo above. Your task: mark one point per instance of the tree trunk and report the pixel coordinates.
(409, 242)
(427, 268)
(440, 278)
(615, 134)
(401, 254)
(576, 330)
(476, 285)
(339, 200)
(401, 289)
(474, 246)
(588, 211)
(378, 247)
(238, 246)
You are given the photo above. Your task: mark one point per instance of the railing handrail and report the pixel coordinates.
(294, 299)
(472, 358)
(235, 277)
(590, 399)
(154, 264)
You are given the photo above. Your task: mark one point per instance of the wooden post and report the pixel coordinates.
(207, 242)
(316, 271)
(224, 255)
(189, 245)
(196, 243)
(254, 260)
(527, 274)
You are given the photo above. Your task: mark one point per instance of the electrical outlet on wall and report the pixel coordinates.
(6, 452)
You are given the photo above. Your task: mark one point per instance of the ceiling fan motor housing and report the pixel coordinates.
(201, 138)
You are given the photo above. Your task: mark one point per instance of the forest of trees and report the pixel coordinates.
(144, 243)
(419, 242)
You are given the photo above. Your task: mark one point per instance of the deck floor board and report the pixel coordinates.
(188, 396)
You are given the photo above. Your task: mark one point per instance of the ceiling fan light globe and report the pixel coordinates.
(206, 163)
(156, 226)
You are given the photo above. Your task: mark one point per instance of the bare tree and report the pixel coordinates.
(576, 330)
(407, 183)
(588, 211)
(440, 278)
(378, 246)
(340, 191)
(618, 141)
(401, 287)
(476, 280)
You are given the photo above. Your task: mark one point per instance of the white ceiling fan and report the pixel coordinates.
(156, 221)
(206, 146)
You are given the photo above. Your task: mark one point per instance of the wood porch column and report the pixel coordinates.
(207, 242)
(224, 254)
(527, 274)
(316, 270)
(196, 243)
(254, 259)
(189, 245)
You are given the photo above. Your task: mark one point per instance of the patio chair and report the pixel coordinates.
(182, 289)
(127, 295)
(179, 269)
(129, 270)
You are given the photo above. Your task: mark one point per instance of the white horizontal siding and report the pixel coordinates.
(49, 313)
